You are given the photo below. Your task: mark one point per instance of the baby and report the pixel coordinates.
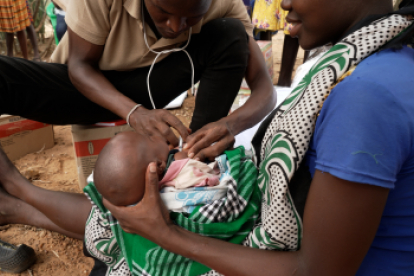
(219, 200)
(119, 174)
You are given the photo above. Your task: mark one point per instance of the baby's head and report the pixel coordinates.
(119, 174)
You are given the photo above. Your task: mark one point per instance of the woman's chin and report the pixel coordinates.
(309, 44)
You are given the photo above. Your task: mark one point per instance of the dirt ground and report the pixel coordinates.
(55, 169)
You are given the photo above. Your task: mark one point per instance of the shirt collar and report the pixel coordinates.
(133, 7)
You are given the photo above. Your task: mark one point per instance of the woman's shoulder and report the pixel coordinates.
(389, 68)
(365, 115)
(385, 78)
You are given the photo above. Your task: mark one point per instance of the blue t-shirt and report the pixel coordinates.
(365, 134)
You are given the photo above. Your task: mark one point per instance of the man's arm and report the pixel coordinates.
(340, 222)
(83, 67)
(262, 99)
(260, 103)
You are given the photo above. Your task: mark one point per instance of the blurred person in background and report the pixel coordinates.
(14, 18)
(61, 26)
(31, 33)
(268, 16)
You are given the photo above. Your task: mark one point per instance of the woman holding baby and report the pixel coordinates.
(359, 213)
(335, 161)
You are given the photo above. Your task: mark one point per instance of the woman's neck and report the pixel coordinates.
(380, 8)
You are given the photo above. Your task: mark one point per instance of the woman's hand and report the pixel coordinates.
(199, 144)
(149, 218)
(158, 122)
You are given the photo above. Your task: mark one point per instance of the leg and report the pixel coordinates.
(59, 211)
(16, 211)
(44, 92)
(222, 48)
(31, 33)
(266, 35)
(290, 51)
(21, 36)
(9, 44)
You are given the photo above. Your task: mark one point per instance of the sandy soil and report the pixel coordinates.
(55, 169)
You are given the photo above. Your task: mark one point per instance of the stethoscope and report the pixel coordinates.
(165, 52)
(180, 145)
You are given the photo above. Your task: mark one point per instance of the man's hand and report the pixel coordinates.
(149, 218)
(260, 103)
(200, 146)
(158, 122)
(84, 72)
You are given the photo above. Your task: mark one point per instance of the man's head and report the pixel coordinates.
(173, 17)
(319, 22)
(119, 173)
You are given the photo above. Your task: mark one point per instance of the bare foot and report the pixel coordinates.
(16, 211)
(8, 174)
(12, 210)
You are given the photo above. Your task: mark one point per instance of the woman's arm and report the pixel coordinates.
(260, 103)
(341, 219)
(83, 67)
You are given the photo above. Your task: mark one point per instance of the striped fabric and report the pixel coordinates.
(13, 16)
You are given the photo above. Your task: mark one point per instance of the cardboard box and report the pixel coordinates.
(88, 142)
(20, 136)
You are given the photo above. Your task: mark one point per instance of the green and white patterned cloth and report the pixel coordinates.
(286, 139)
(230, 219)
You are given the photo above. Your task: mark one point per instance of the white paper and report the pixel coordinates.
(244, 138)
(177, 102)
